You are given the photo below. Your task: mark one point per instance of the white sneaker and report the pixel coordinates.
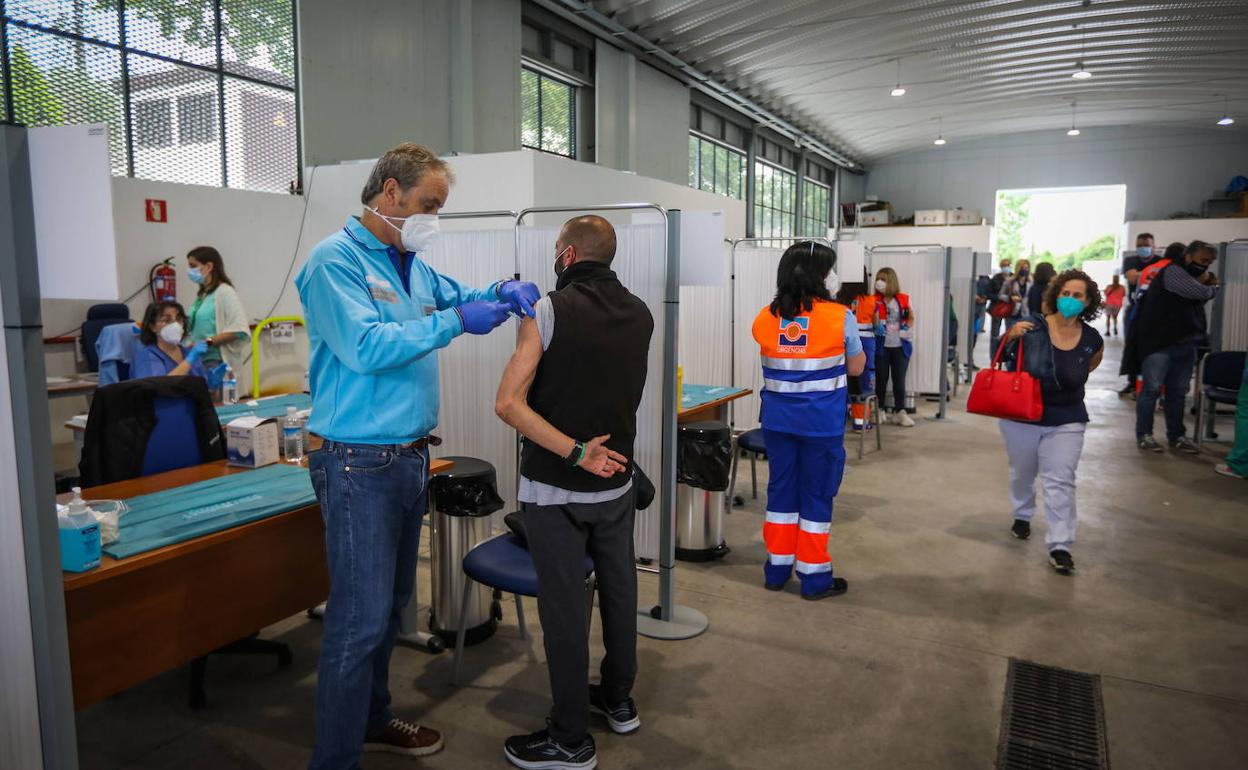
(904, 420)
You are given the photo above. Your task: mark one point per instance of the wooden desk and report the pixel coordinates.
(76, 387)
(711, 410)
(134, 618)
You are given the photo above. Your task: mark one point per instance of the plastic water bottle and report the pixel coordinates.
(229, 387)
(79, 535)
(292, 436)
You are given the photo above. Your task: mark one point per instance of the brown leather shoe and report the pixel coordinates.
(400, 737)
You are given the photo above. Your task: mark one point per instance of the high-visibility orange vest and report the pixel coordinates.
(1146, 277)
(804, 374)
(864, 311)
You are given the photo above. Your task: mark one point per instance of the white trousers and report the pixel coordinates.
(1053, 454)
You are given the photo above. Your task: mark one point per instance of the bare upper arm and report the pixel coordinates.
(522, 368)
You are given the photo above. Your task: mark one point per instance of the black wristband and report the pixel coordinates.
(576, 455)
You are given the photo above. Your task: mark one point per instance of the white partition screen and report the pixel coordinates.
(705, 342)
(754, 287)
(1234, 300)
(469, 369)
(640, 262)
(921, 273)
(961, 280)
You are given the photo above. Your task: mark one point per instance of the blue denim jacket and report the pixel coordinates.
(1037, 353)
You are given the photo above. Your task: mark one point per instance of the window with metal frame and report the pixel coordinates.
(547, 113)
(716, 168)
(816, 198)
(775, 200)
(196, 91)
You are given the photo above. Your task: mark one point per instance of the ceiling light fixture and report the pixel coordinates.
(1073, 131)
(898, 90)
(940, 137)
(1226, 119)
(1081, 72)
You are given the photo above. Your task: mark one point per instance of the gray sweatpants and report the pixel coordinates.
(560, 536)
(1053, 454)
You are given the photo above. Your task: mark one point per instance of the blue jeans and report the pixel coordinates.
(373, 501)
(1172, 367)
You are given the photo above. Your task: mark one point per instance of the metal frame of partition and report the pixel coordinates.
(894, 248)
(1218, 309)
(665, 620)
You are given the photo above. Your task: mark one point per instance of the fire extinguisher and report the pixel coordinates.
(163, 281)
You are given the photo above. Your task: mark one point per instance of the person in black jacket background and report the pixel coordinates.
(1035, 295)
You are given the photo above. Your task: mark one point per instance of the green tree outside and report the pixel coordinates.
(1012, 217)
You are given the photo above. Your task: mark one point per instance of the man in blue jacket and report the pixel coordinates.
(376, 315)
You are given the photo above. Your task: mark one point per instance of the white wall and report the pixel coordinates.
(642, 117)
(1165, 170)
(1167, 231)
(977, 237)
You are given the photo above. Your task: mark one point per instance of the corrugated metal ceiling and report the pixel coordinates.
(970, 68)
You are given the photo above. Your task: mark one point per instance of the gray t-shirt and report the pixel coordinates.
(892, 324)
(535, 492)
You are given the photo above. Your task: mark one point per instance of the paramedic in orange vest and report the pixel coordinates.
(809, 346)
(864, 308)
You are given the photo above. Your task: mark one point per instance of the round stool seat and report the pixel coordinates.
(752, 441)
(465, 467)
(504, 563)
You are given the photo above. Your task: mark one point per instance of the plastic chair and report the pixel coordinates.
(751, 441)
(1217, 382)
(99, 316)
(503, 563)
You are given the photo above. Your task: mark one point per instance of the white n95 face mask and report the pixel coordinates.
(172, 333)
(419, 231)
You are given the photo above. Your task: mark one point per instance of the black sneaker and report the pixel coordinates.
(1061, 561)
(838, 587)
(622, 717)
(1021, 529)
(1148, 443)
(541, 752)
(1185, 445)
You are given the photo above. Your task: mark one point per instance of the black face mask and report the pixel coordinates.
(1197, 270)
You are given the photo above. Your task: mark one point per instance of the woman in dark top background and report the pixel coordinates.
(1035, 295)
(1060, 348)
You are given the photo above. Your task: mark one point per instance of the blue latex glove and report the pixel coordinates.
(881, 330)
(482, 316)
(520, 295)
(216, 375)
(196, 352)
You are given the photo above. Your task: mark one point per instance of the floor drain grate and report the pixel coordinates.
(1052, 720)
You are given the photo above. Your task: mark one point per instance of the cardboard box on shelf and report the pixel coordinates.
(929, 217)
(962, 217)
(875, 214)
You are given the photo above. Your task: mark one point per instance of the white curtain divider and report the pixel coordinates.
(705, 330)
(1233, 273)
(640, 264)
(754, 287)
(961, 278)
(921, 273)
(470, 368)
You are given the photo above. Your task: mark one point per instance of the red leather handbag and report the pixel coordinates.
(1008, 395)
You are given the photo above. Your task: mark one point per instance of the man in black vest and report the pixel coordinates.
(1171, 320)
(572, 390)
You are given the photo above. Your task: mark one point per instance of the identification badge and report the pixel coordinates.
(381, 290)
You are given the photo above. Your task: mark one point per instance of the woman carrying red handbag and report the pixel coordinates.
(1060, 349)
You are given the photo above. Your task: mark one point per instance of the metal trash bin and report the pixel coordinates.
(703, 468)
(461, 500)
(908, 405)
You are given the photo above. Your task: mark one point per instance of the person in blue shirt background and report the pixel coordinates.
(376, 314)
(161, 334)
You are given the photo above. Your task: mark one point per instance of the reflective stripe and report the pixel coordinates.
(806, 568)
(803, 364)
(866, 328)
(809, 386)
(781, 560)
(782, 518)
(816, 527)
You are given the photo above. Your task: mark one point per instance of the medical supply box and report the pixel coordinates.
(963, 216)
(251, 442)
(929, 217)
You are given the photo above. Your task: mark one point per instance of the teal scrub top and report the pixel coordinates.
(202, 320)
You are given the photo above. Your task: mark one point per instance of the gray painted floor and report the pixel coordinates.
(906, 670)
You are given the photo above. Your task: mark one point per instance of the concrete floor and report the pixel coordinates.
(905, 671)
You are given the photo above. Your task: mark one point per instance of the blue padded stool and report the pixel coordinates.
(504, 563)
(751, 441)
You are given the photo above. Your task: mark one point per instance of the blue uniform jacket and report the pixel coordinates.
(374, 369)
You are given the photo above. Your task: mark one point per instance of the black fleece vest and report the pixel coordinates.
(590, 379)
(1166, 318)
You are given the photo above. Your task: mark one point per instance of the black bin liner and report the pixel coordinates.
(468, 489)
(704, 455)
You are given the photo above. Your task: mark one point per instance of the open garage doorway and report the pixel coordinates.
(1067, 226)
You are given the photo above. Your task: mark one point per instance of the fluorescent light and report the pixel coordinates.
(1073, 132)
(898, 91)
(940, 141)
(1226, 120)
